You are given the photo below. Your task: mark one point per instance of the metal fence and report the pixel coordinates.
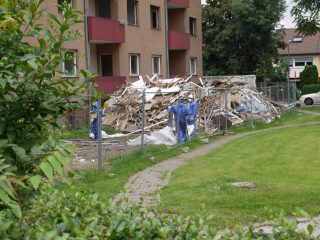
(213, 104)
(137, 116)
(280, 93)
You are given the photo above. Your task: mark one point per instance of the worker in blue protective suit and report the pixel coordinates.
(179, 111)
(191, 115)
(94, 120)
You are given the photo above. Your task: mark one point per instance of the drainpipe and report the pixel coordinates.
(166, 33)
(87, 46)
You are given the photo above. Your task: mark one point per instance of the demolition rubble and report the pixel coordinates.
(228, 100)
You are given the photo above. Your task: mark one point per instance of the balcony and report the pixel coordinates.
(178, 40)
(104, 30)
(178, 4)
(109, 84)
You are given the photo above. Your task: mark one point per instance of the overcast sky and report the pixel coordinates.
(288, 20)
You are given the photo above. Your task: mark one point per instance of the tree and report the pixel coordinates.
(33, 96)
(240, 36)
(307, 16)
(309, 75)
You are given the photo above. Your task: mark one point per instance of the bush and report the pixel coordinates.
(310, 88)
(80, 215)
(310, 75)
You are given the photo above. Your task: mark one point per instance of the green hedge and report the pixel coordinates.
(73, 215)
(310, 75)
(310, 88)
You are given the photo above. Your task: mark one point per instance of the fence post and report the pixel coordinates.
(251, 115)
(99, 135)
(142, 119)
(289, 93)
(226, 108)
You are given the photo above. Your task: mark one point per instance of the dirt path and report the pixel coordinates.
(146, 184)
(309, 112)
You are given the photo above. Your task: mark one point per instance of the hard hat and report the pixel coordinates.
(190, 96)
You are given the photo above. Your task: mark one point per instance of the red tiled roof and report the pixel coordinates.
(309, 45)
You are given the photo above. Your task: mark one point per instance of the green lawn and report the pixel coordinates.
(288, 118)
(315, 108)
(285, 165)
(111, 181)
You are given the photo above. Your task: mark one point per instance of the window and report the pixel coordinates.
(300, 61)
(156, 65)
(193, 66)
(60, 2)
(297, 39)
(69, 65)
(132, 9)
(193, 26)
(155, 17)
(309, 61)
(134, 64)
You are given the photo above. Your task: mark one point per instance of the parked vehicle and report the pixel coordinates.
(310, 99)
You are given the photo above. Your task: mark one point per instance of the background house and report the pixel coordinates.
(301, 50)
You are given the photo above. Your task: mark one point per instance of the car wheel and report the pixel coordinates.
(308, 101)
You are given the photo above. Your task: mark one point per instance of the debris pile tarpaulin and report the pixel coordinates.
(234, 100)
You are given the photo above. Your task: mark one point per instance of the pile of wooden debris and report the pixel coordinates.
(218, 101)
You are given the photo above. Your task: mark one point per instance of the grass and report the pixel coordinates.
(284, 164)
(288, 118)
(315, 108)
(109, 182)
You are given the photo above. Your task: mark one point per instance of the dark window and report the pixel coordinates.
(60, 2)
(156, 64)
(69, 65)
(106, 65)
(193, 26)
(155, 17)
(132, 9)
(134, 62)
(104, 8)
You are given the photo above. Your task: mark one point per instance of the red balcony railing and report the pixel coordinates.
(178, 40)
(109, 84)
(105, 30)
(178, 3)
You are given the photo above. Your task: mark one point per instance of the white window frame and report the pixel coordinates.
(152, 7)
(75, 67)
(195, 60)
(306, 58)
(135, 14)
(159, 64)
(138, 63)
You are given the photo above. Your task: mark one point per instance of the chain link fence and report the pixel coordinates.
(132, 120)
(282, 94)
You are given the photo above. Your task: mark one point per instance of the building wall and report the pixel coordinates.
(142, 39)
(79, 45)
(195, 11)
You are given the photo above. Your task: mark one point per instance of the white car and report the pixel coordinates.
(310, 99)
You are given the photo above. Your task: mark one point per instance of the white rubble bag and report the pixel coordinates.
(163, 136)
(190, 129)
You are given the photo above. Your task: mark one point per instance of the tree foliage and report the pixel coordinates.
(307, 16)
(33, 95)
(240, 36)
(309, 75)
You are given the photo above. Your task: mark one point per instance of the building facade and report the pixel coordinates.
(123, 39)
(300, 51)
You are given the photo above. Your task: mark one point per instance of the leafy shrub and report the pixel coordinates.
(33, 95)
(310, 88)
(80, 215)
(309, 75)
